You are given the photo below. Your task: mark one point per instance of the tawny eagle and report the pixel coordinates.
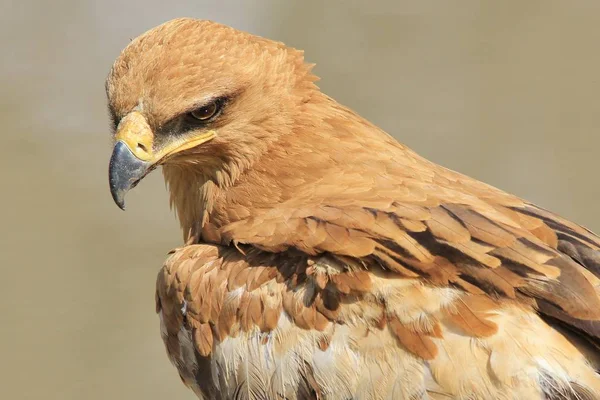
(325, 260)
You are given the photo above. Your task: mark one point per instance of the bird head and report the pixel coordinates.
(201, 97)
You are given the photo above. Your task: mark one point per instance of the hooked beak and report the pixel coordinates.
(125, 171)
(134, 156)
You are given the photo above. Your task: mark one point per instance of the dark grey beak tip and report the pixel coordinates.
(119, 200)
(125, 170)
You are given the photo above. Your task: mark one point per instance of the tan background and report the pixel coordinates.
(507, 91)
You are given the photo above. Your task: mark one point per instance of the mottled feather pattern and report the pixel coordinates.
(325, 260)
(422, 323)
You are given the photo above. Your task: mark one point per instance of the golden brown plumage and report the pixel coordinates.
(323, 259)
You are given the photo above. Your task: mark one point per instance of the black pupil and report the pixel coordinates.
(204, 112)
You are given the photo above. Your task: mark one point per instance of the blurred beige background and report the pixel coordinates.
(508, 92)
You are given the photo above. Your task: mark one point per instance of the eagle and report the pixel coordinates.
(323, 259)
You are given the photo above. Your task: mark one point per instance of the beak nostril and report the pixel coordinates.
(142, 147)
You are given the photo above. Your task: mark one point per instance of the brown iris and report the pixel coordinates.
(206, 112)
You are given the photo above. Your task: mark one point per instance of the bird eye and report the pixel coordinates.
(205, 113)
